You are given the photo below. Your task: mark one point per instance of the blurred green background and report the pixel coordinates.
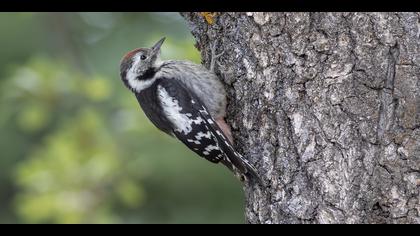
(75, 145)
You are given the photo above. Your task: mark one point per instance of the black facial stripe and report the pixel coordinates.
(149, 73)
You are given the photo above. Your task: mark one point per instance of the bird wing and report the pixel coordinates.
(196, 128)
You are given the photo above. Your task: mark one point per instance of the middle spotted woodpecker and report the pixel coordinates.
(187, 101)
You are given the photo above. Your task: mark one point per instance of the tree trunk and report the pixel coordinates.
(326, 106)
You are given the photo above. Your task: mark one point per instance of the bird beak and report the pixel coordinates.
(156, 47)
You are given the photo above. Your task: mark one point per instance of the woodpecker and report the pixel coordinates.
(187, 101)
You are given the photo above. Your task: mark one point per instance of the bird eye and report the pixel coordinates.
(143, 57)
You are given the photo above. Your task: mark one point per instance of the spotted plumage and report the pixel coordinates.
(189, 122)
(186, 101)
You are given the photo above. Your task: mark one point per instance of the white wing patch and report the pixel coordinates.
(193, 141)
(181, 121)
(201, 135)
(209, 148)
(184, 122)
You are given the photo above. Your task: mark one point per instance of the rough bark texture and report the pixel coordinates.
(327, 107)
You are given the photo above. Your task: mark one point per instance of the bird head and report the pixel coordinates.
(139, 63)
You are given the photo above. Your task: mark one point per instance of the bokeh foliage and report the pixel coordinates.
(75, 147)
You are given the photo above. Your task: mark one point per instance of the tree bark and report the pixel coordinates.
(326, 106)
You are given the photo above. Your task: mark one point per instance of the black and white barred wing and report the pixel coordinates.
(188, 123)
(194, 126)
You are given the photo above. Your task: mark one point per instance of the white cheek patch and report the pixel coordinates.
(181, 121)
(137, 85)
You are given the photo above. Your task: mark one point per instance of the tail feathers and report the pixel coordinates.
(242, 167)
(233, 159)
(236, 160)
(252, 171)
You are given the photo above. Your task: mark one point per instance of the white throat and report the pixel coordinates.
(140, 85)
